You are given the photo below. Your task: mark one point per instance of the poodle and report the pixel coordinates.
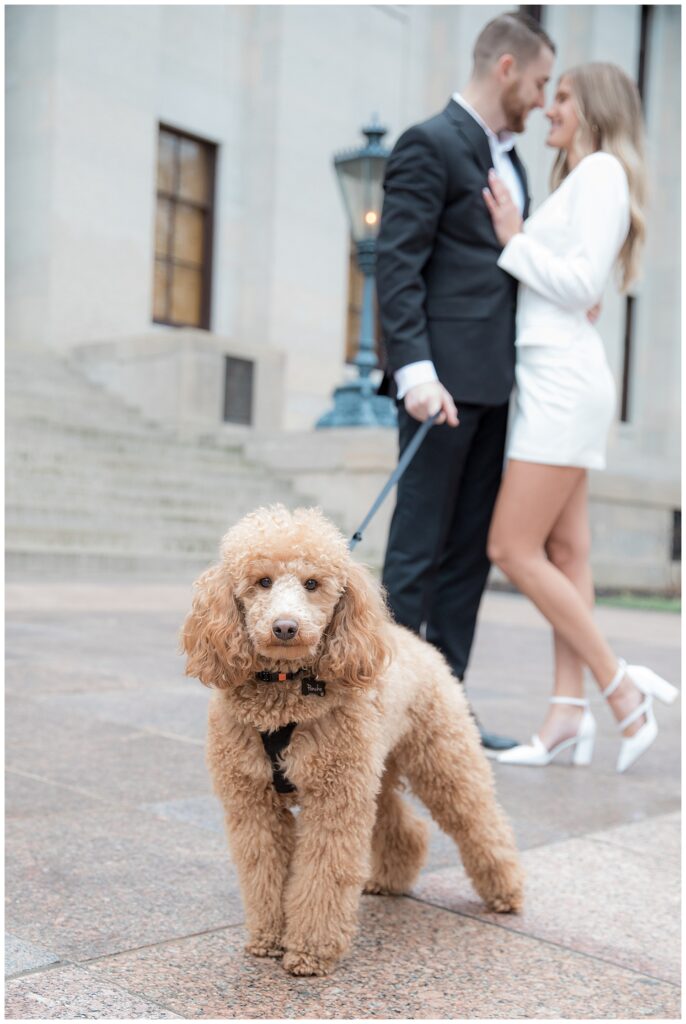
(296, 641)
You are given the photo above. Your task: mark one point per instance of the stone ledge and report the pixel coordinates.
(177, 375)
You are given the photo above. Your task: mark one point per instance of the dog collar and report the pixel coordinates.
(310, 685)
(276, 677)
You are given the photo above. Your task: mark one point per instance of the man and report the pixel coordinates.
(448, 318)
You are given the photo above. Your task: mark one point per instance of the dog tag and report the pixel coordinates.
(310, 685)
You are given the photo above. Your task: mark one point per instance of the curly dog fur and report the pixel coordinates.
(391, 712)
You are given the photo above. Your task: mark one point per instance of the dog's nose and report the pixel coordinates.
(284, 629)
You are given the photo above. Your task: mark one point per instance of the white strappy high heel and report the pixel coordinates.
(537, 754)
(651, 685)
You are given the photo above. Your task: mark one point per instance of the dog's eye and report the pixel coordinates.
(311, 584)
(265, 582)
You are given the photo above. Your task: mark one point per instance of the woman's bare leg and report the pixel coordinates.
(532, 499)
(568, 548)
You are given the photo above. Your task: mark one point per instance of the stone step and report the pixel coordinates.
(44, 396)
(50, 378)
(74, 422)
(57, 447)
(25, 430)
(92, 488)
(73, 491)
(39, 561)
(61, 397)
(52, 453)
(224, 505)
(209, 521)
(26, 433)
(150, 536)
(47, 397)
(51, 482)
(121, 468)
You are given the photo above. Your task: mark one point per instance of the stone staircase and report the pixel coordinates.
(92, 488)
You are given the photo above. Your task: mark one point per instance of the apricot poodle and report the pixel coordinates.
(363, 705)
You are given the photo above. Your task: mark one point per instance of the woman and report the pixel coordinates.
(539, 535)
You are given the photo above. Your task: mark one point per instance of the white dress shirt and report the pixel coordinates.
(423, 371)
(500, 145)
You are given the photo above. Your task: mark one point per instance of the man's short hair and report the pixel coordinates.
(516, 33)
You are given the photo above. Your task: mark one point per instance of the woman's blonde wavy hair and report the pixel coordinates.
(611, 120)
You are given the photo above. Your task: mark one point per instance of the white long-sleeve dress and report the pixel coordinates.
(565, 395)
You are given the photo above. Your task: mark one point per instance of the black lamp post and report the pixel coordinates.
(360, 175)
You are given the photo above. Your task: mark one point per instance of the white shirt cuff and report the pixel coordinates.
(421, 372)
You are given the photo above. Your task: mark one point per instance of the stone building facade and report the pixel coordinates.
(173, 220)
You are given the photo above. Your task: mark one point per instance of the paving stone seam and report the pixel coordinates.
(621, 846)
(62, 785)
(136, 734)
(66, 962)
(154, 945)
(539, 844)
(547, 942)
(142, 995)
(115, 805)
(108, 984)
(85, 963)
(41, 969)
(171, 736)
(590, 833)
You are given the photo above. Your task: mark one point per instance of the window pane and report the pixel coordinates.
(165, 162)
(188, 234)
(186, 296)
(162, 227)
(160, 311)
(182, 261)
(194, 179)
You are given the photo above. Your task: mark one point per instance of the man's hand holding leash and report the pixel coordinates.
(423, 400)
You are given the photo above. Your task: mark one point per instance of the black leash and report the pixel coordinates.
(276, 742)
(403, 463)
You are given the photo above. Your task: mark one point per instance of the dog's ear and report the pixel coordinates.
(354, 648)
(213, 636)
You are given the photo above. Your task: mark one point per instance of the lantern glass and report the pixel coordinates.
(361, 181)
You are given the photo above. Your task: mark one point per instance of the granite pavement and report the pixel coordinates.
(122, 903)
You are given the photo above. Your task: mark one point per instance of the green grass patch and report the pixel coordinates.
(641, 602)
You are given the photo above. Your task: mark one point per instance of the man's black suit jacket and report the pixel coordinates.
(441, 294)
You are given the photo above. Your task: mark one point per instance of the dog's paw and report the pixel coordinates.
(296, 962)
(264, 945)
(506, 903)
(372, 888)
(502, 888)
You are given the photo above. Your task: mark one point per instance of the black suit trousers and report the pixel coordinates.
(436, 565)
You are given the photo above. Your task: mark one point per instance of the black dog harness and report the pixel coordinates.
(276, 742)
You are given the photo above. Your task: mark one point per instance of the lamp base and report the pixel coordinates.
(354, 408)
